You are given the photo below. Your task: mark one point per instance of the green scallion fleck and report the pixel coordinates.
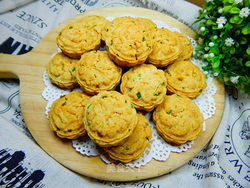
(73, 69)
(143, 39)
(138, 94)
(170, 111)
(156, 93)
(71, 27)
(89, 106)
(139, 76)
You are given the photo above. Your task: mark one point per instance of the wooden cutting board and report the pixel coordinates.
(29, 69)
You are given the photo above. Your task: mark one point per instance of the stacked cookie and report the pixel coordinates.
(143, 69)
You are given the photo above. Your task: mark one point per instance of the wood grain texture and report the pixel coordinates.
(30, 67)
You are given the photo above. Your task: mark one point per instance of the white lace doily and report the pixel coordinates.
(158, 149)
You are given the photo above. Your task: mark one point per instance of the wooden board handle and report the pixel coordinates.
(9, 65)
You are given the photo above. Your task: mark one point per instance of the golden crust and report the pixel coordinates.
(145, 85)
(186, 49)
(135, 145)
(77, 38)
(95, 72)
(109, 118)
(110, 26)
(165, 49)
(178, 119)
(185, 78)
(128, 44)
(61, 71)
(66, 114)
(147, 23)
(94, 21)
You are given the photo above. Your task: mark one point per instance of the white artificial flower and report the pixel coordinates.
(220, 26)
(221, 20)
(238, 1)
(207, 48)
(229, 42)
(202, 29)
(207, 17)
(209, 1)
(216, 74)
(215, 37)
(211, 44)
(206, 56)
(211, 55)
(244, 12)
(234, 79)
(221, 10)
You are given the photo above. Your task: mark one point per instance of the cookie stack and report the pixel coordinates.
(143, 69)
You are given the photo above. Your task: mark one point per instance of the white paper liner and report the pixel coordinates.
(158, 149)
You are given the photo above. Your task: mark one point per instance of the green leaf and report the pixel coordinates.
(236, 20)
(248, 50)
(232, 50)
(246, 30)
(227, 9)
(210, 22)
(216, 64)
(234, 10)
(243, 40)
(248, 64)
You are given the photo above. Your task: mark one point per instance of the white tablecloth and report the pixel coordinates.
(224, 162)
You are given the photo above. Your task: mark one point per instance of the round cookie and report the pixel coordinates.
(61, 71)
(109, 118)
(77, 38)
(110, 26)
(145, 85)
(148, 24)
(178, 119)
(128, 43)
(66, 114)
(166, 48)
(185, 78)
(135, 145)
(94, 21)
(186, 48)
(95, 72)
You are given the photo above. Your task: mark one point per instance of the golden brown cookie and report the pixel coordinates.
(128, 43)
(145, 85)
(94, 21)
(186, 49)
(77, 38)
(109, 118)
(110, 26)
(135, 145)
(61, 71)
(178, 119)
(66, 115)
(148, 24)
(185, 78)
(166, 48)
(95, 72)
